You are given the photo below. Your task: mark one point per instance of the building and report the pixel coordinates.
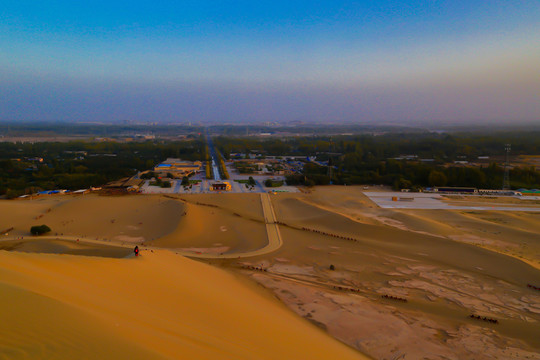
(177, 168)
(456, 190)
(526, 192)
(221, 186)
(498, 192)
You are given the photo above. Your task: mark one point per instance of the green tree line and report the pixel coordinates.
(77, 164)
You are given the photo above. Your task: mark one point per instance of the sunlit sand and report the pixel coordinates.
(386, 283)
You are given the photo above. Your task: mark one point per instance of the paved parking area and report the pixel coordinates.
(430, 201)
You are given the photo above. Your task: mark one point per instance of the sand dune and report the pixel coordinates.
(447, 264)
(515, 234)
(511, 233)
(159, 305)
(60, 246)
(209, 227)
(19, 214)
(131, 218)
(41, 327)
(246, 205)
(410, 254)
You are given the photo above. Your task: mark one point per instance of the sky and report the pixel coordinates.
(439, 62)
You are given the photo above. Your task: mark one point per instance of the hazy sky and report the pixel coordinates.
(365, 61)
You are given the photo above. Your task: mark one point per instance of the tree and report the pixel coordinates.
(185, 181)
(208, 170)
(148, 175)
(437, 178)
(79, 169)
(272, 183)
(295, 179)
(251, 181)
(39, 230)
(402, 183)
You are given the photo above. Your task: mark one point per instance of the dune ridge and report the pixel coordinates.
(160, 304)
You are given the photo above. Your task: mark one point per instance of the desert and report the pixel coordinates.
(348, 279)
(278, 180)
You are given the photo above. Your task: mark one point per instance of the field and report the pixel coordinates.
(387, 283)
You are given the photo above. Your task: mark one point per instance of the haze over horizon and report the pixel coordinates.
(340, 61)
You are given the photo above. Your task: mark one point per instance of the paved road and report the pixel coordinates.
(177, 185)
(259, 186)
(272, 229)
(214, 157)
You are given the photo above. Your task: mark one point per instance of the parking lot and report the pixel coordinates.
(400, 200)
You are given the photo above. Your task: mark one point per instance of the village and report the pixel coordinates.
(243, 176)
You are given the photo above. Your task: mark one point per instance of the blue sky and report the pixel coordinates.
(359, 61)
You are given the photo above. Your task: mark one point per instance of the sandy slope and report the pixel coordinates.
(126, 218)
(47, 245)
(246, 205)
(213, 227)
(512, 233)
(448, 264)
(427, 257)
(159, 305)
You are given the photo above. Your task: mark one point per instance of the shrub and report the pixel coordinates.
(272, 183)
(39, 230)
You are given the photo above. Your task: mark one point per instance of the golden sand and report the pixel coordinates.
(158, 305)
(447, 264)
